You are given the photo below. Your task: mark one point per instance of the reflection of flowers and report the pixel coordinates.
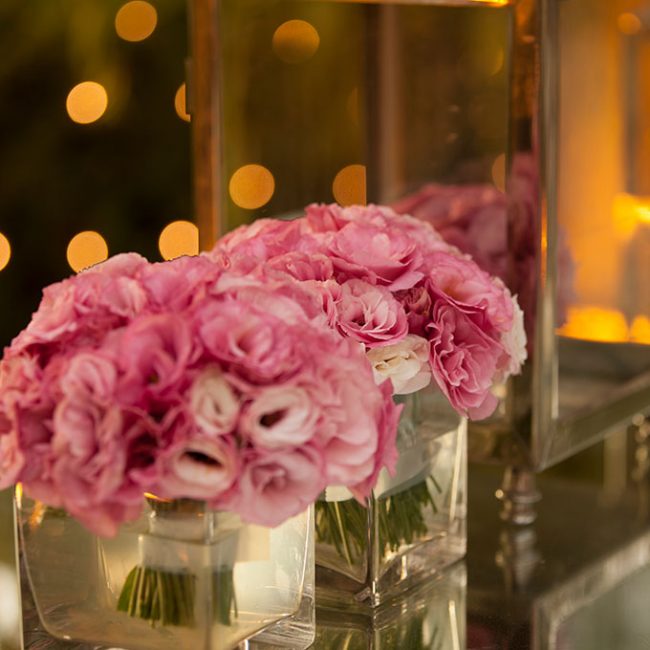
(474, 218)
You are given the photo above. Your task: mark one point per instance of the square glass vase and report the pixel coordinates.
(414, 523)
(181, 576)
(431, 616)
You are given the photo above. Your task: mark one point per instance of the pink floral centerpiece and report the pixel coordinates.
(213, 394)
(428, 317)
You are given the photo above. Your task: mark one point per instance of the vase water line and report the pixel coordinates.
(413, 524)
(160, 584)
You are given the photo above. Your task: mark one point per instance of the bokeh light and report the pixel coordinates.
(178, 238)
(295, 41)
(499, 172)
(640, 330)
(629, 23)
(87, 102)
(251, 186)
(136, 21)
(85, 249)
(180, 103)
(349, 187)
(5, 251)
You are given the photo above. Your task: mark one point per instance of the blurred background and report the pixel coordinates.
(94, 157)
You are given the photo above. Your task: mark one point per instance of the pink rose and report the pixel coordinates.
(370, 314)
(154, 353)
(124, 265)
(276, 485)
(173, 285)
(90, 374)
(417, 305)
(380, 255)
(302, 266)
(464, 358)
(355, 432)
(213, 402)
(386, 454)
(280, 416)
(255, 345)
(199, 468)
(12, 458)
(467, 283)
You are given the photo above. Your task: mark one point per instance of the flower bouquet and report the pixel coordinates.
(169, 426)
(443, 332)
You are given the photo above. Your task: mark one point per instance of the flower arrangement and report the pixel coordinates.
(423, 311)
(192, 383)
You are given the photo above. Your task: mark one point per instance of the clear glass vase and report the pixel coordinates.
(182, 576)
(414, 522)
(429, 617)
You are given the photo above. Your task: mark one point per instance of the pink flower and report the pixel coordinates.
(125, 265)
(12, 458)
(386, 455)
(254, 344)
(173, 285)
(465, 282)
(276, 485)
(154, 353)
(302, 266)
(417, 305)
(464, 358)
(213, 402)
(280, 416)
(370, 314)
(92, 375)
(380, 255)
(199, 468)
(355, 432)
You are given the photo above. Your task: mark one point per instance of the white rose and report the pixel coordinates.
(280, 416)
(213, 402)
(405, 363)
(514, 341)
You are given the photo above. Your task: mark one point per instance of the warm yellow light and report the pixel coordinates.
(595, 324)
(640, 330)
(136, 21)
(85, 249)
(86, 102)
(295, 41)
(180, 103)
(499, 172)
(349, 186)
(252, 186)
(629, 212)
(5, 251)
(629, 23)
(178, 238)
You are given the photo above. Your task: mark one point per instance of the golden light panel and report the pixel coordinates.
(85, 249)
(5, 251)
(349, 186)
(180, 103)
(251, 187)
(295, 41)
(135, 21)
(87, 102)
(178, 238)
(592, 323)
